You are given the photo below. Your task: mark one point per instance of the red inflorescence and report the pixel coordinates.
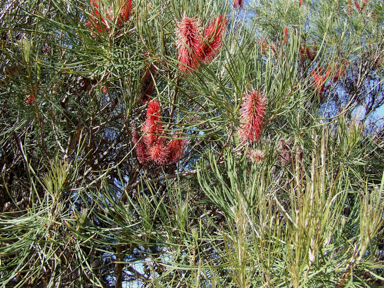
(176, 149)
(253, 111)
(100, 21)
(319, 80)
(300, 2)
(153, 146)
(158, 153)
(238, 3)
(32, 93)
(192, 47)
(30, 99)
(213, 39)
(152, 126)
(189, 40)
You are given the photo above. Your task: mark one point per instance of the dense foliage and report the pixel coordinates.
(180, 143)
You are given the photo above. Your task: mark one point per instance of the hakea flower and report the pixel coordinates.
(140, 146)
(153, 146)
(152, 127)
(213, 38)
(238, 3)
(319, 81)
(255, 155)
(176, 148)
(188, 43)
(31, 97)
(253, 111)
(285, 36)
(158, 152)
(100, 21)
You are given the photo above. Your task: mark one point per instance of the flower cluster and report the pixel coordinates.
(152, 146)
(319, 80)
(193, 47)
(31, 97)
(253, 111)
(102, 17)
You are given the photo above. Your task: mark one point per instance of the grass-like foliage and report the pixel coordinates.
(191, 143)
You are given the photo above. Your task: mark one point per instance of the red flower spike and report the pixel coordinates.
(125, 12)
(140, 147)
(238, 3)
(188, 43)
(285, 37)
(253, 111)
(319, 81)
(300, 2)
(213, 38)
(100, 23)
(176, 149)
(152, 126)
(32, 93)
(158, 153)
(30, 99)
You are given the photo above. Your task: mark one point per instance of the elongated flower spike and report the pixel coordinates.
(213, 38)
(319, 80)
(253, 110)
(158, 152)
(125, 12)
(152, 126)
(99, 21)
(189, 40)
(176, 148)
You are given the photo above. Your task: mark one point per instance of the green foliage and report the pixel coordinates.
(301, 207)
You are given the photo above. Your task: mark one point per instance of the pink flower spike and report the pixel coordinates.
(253, 111)
(213, 38)
(125, 12)
(176, 148)
(158, 153)
(188, 33)
(152, 126)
